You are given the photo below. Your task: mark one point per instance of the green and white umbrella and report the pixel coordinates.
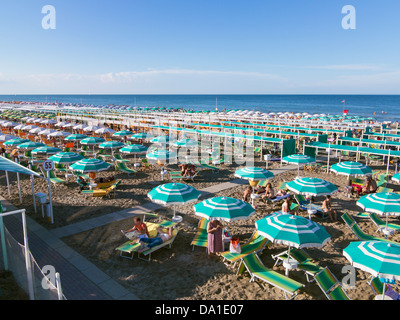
(75, 137)
(161, 139)
(224, 208)
(381, 259)
(30, 145)
(15, 142)
(134, 149)
(382, 203)
(351, 168)
(91, 141)
(66, 157)
(123, 133)
(141, 135)
(6, 137)
(89, 165)
(293, 231)
(46, 150)
(311, 187)
(174, 194)
(298, 159)
(161, 155)
(396, 177)
(186, 143)
(111, 145)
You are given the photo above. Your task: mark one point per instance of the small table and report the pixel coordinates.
(67, 176)
(226, 240)
(289, 264)
(136, 165)
(177, 219)
(92, 186)
(387, 231)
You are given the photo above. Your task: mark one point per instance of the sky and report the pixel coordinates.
(199, 47)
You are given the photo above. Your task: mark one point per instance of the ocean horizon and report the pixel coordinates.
(381, 107)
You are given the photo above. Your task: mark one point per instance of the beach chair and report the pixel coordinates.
(305, 205)
(127, 249)
(60, 168)
(119, 158)
(376, 285)
(54, 179)
(205, 166)
(146, 165)
(304, 262)
(383, 189)
(258, 270)
(256, 244)
(201, 237)
(330, 286)
(361, 235)
(382, 224)
(102, 192)
(121, 166)
(382, 179)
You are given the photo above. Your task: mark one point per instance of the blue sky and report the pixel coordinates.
(182, 47)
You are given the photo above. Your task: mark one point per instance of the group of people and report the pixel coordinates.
(369, 186)
(268, 193)
(187, 170)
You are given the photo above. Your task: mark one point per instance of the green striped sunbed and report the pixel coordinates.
(121, 166)
(304, 262)
(376, 285)
(361, 235)
(201, 237)
(256, 244)
(258, 270)
(54, 178)
(330, 286)
(382, 224)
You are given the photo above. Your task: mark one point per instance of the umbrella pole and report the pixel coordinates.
(8, 184)
(387, 218)
(288, 259)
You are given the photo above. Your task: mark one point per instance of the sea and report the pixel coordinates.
(381, 107)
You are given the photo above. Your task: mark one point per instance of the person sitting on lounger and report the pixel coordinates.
(260, 190)
(183, 167)
(148, 243)
(140, 229)
(370, 186)
(327, 207)
(269, 192)
(286, 206)
(83, 184)
(247, 193)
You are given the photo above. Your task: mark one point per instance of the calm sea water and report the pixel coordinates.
(361, 105)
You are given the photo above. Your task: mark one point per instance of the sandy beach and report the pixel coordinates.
(183, 273)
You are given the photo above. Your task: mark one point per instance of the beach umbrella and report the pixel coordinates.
(91, 128)
(298, 159)
(161, 155)
(186, 143)
(9, 124)
(293, 231)
(7, 137)
(351, 168)
(134, 148)
(19, 127)
(311, 187)
(61, 124)
(105, 131)
(29, 127)
(79, 126)
(396, 177)
(141, 135)
(46, 132)
(90, 165)
(60, 134)
(30, 145)
(66, 157)
(48, 121)
(111, 145)
(382, 203)
(123, 133)
(46, 150)
(36, 130)
(15, 142)
(381, 259)
(92, 141)
(75, 137)
(224, 208)
(174, 194)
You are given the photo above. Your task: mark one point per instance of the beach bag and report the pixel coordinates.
(234, 246)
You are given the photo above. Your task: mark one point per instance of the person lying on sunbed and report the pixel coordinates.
(247, 193)
(269, 192)
(370, 186)
(148, 243)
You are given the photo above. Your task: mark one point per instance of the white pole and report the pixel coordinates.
(8, 184)
(19, 189)
(27, 258)
(50, 202)
(388, 162)
(58, 285)
(33, 194)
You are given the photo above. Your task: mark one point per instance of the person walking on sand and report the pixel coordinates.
(214, 230)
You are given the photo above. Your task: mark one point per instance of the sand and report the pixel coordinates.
(183, 273)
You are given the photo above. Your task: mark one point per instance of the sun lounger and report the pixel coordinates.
(53, 178)
(330, 286)
(361, 235)
(258, 270)
(256, 244)
(121, 166)
(205, 166)
(201, 237)
(304, 204)
(102, 192)
(127, 250)
(382, 224)
(376, 285)
(383, 189)
(119, 158)
(304, 262)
